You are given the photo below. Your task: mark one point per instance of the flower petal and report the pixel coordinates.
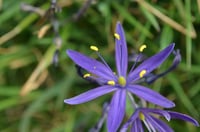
(131, 120)
(117, 110)
(184, 117)
(155, 124)
(163, 124)
(137, 126)
(91, 65)
(151, 63)
(159, 112)
(150, 78)
(150, 95)
(90, 95)
(121, 54)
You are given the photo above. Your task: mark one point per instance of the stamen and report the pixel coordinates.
(138, 57)
(142, 47)
(141, 116)
(111, 82)
(117, 36)
(132, 100)
(142, 73)
(86, 75)
(94, 48)
(122, 81)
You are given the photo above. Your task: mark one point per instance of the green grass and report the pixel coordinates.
(32, 89)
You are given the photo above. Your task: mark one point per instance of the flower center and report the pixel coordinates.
(122, 81)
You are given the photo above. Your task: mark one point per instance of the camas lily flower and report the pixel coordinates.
(153, 124)
(122, 82)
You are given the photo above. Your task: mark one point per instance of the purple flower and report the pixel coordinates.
(121, 82)
(152, 123)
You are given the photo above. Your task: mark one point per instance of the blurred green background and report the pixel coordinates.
(32, 89)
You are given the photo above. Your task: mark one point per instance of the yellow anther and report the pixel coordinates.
(94, 48)
(142, 73)
(86, 75)
(141, 116)
(117, 36)
(142, 47)
(122, 81)
(111, 82)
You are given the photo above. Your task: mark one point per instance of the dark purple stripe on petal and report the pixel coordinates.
(90, 95)
(184, 117)
(151, 63)
(117, 110)
(91, 65)
(150, 95)
(121, 54)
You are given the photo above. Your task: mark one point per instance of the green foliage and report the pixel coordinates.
(26, 60)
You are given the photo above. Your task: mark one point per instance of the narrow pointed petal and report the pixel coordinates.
(159, 112)
(140, 125)
(91, 65)
(131, 120)
(184, 117)
(150, 127)
(163, 124)
(151, 63)
(117, 110)
(156, 125)
(150, 78)
(151, 96)
(137, 126)
(121, 54)
(90, 95)
(134, 127)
